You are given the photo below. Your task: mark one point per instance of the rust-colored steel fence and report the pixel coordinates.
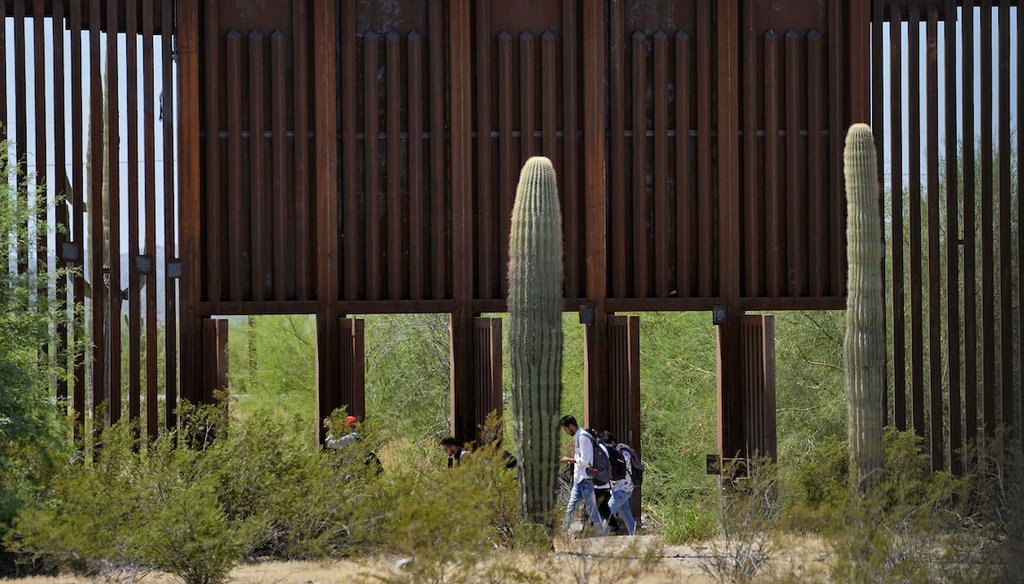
(343, 157)
(947, 108)
(91, 122)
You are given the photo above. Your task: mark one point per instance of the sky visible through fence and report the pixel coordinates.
(972, 87)
(160, 92)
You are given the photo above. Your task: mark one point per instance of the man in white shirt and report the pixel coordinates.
(582, 483)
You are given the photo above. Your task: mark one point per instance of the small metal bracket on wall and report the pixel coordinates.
(713, 465)
(718, 315)
(144, 264)
(70, 252)
(587, 313)
(174, 268)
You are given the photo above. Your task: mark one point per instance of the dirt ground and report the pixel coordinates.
(639, 560)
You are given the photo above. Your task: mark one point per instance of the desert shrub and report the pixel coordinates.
(894, 533)
(988, 546)
(812, 487)
(687, 519)
(301, 497)
(749, 509)
(143, 509)
(917, 525)
(189, 534)
(447, 522)
(33, 443)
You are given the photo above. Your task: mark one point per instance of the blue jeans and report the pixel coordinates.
(582, 491)
(619, 505)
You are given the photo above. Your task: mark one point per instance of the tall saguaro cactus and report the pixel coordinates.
(535, 277)
(864, 346)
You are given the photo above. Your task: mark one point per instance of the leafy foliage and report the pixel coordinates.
(151, 509)
(748, 513)
(33, 442)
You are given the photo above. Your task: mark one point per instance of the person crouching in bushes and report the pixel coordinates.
(346, 444)
(454, 450)
(345, 440)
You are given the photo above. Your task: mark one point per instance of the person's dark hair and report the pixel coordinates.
(450, 441)
(567, 421)
(607, 437)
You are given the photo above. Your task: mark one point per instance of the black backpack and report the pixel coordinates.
(637, 472)
(617, 463)
(601, 469)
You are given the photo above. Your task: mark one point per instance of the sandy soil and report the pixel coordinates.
(640, 560)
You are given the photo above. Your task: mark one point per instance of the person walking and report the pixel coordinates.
(621, 485)
(582, 483)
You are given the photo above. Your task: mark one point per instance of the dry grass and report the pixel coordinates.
(624, 560)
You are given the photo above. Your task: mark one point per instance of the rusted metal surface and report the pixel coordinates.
(134, 293)
(96, 170)
(970, 226)
(934, 256)
(215, 363)
(955, 364)
(877, 117)
(623, 406)
(171, 244)
(77, 200)
(149, 107)
(189, 140)
(61, 192)
(461, 346)
(987, 240)
(595, 172)
(60, 9)
(487, 368)
(330, 384)
(352, 362)
(1006, 300)
(344, 157)
(915, 242)
(113, 184)
(952, 255)
(1020, 207)
(758, 378)
(896, 187)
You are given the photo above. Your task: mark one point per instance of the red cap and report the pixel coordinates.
(350, 421)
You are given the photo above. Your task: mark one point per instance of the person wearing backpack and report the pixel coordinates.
(636, 466)
(621, 483)
(583, 474)
(602, 492)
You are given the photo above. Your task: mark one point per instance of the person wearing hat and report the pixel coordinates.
(340, 442)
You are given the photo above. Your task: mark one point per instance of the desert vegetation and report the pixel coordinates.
(245, 481)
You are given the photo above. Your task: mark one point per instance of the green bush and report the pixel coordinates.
(253, 490)
(148, 509)
(300, 496)
(890, 534)
(448, 522)
(748, 509)
(33, 437)
(686, 520)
